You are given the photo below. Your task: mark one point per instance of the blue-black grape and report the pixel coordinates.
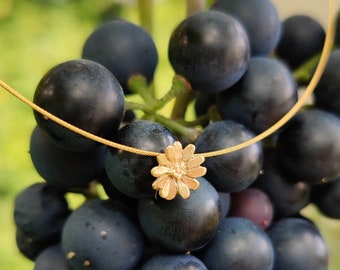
(288, 195)
(327, 93)
(63, 168)
(302, 38)
(327, 198)
(265, 93)
(85, 94)
(337, 30)
(202, 103)
(182, 225)
(260, 19)
(113, 193)
(298, 245)
(309, 147)
(210, 49)
(40, 211)
(51, 258)
(129, 172)
(124, 48)
(102, 235)
(32, 248)
(234, 171)
(239, 244)
(225, 202)
(174, 262)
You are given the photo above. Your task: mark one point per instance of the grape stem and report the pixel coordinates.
(138, 85)
(90, 193)
(304, 72)
(186, 134)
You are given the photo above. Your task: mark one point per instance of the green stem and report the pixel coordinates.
(90, 193)
(138, 85)
(129, 105)
(185, 134)
(213, 113)
(198, 121)
(181, 104)
(304, 73)
(179, 86)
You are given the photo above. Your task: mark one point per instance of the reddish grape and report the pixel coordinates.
(253, 204)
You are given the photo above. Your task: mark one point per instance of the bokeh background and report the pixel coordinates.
(38, 34)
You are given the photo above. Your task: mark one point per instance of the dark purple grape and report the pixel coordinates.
(149, 251)
(327, 198)
(309, 146)
(253, 204)
(123, 48)
(302, 38)
(174, 262)
(327, 91)
(298, 245)
(113, 193)
(129, 116)
(40, 211)
(202, 104)
(225, 202)
(234, 171)
(260, 19)
(52, 258)
(265, 93)
(85, 94)
(62, 168)
(129, 172)
(29, 248)
(210, 49)
(287, 195)
(239, 244)
(102, 235)
(337, 30)
(182, 225)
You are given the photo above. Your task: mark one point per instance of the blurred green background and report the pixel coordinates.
(38, 34)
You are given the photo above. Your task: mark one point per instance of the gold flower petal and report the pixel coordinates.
(188, 152)
(197, 172)
(176, 171)
(170, 153)
(163, 161)
(195, 162)
(178, 151)
(169, 190)
(160, 182)
(159, 170)
(183, 190)
(192, 183)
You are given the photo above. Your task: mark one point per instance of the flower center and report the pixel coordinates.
(177, 170)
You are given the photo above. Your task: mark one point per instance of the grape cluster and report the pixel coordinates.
(238, 63)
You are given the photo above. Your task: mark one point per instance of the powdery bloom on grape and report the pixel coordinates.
(177, 171)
